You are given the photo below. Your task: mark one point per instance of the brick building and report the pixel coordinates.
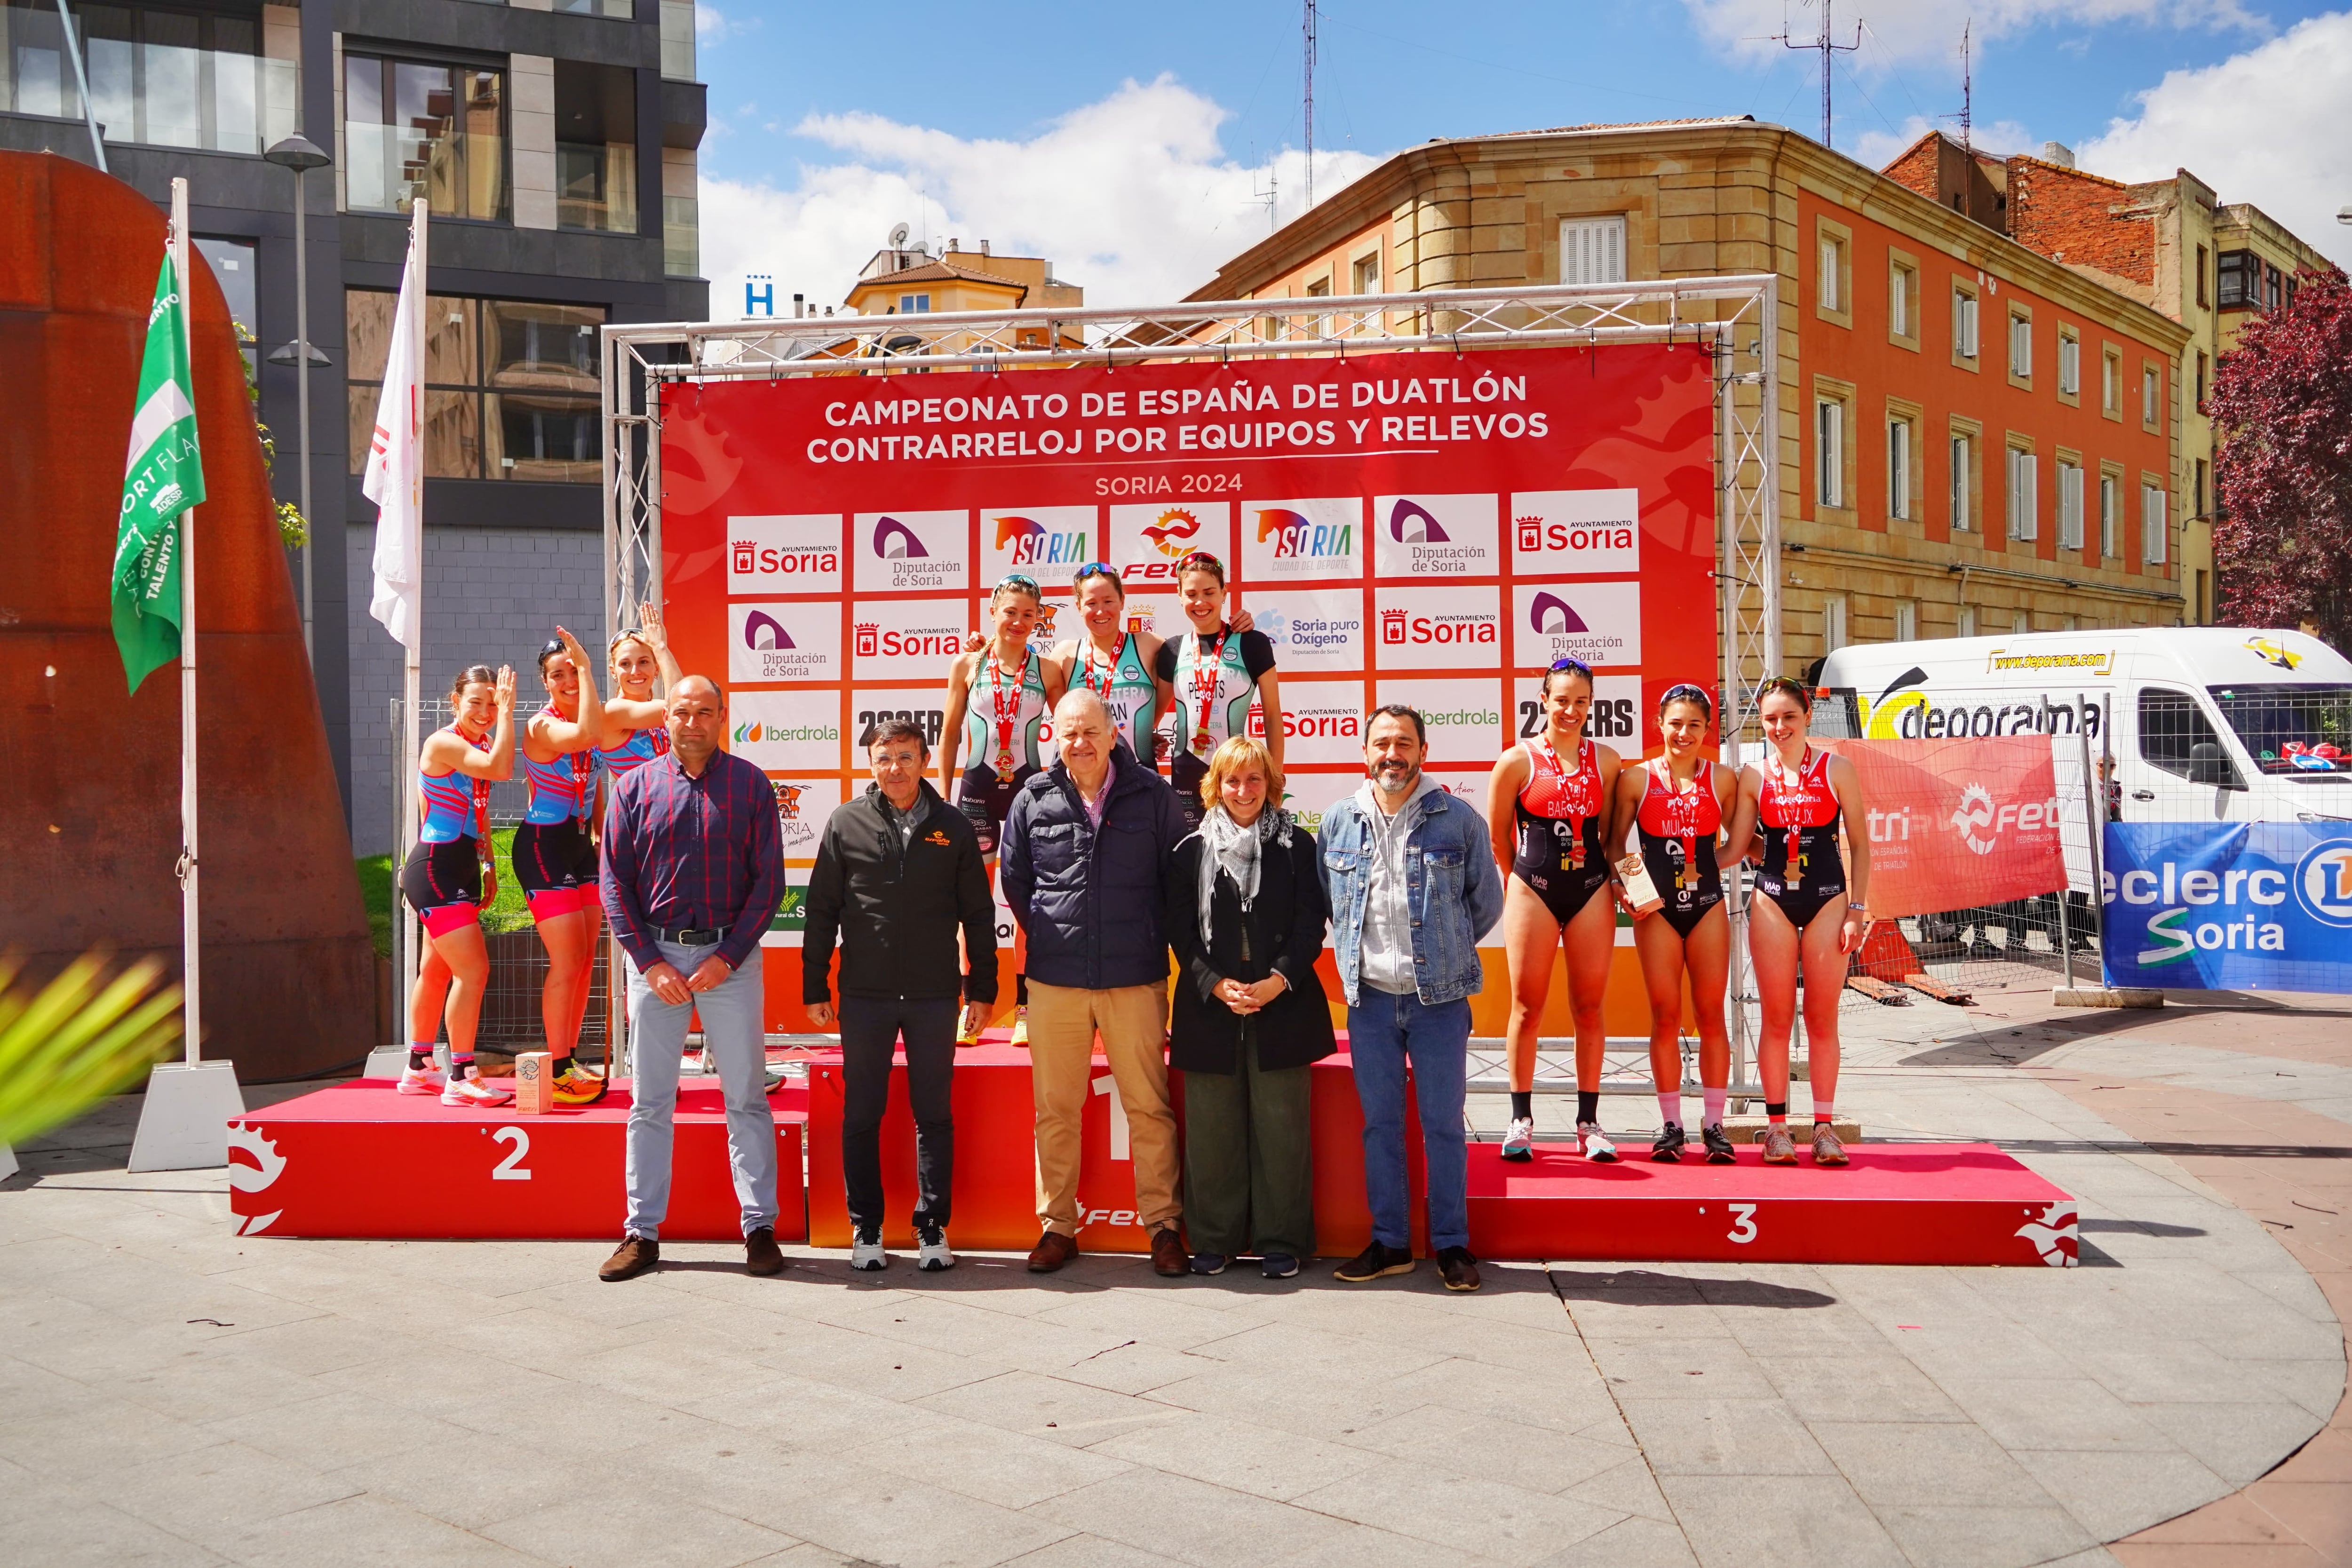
(2172, 244)
(1975, 436)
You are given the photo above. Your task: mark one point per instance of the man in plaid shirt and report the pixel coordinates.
(693, 872)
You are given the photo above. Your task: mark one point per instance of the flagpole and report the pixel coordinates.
(412, 666)
(190, 938)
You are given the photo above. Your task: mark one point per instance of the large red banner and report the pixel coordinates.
(1957, 824)
(1426, 528)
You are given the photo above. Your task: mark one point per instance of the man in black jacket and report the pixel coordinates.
(898, 873)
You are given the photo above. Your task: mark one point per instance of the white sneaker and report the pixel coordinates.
(423, 1080)
(473, 1090)
(933, 1254)
(865, 1253)
(1594, 1144)
(1519, 1143)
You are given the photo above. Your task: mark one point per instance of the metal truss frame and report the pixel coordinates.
(1737, 316)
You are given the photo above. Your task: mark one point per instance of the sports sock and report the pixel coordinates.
(1588, 1105)
(1523, 1104)
(460, 1068)
(420, 1054)
(1715, 1100)
(1670, 1107)
(1021, 989)
(1825, 1113)
(1775, 1111)
(558, 1063)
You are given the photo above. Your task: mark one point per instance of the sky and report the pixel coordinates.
(1137, 148)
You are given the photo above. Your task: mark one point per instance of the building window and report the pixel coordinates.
(1829, 454)
(2201, 380)
(1964, 484)
(2020, 348)
(1365, 275)
(595, 147)
(676, 39)
(914, 304)
(2202, 299)
(1964, 621)
(2111, 383)
(512, 389)
(1907, 620)
(1902, 300)
(2238, 279)
(2111, 506)
(167, 77)
(2069, 505)
(2154, 532)
(623, 9)
(1898, 467)
(2273, 280)
(2201, 596)
(681, 216)
(2020, 622)
(412, 129)
(2198, 498)
(1592, 250)
(1834, 636)
(2151, 383)
(1964, 323)
(2070, 365)
(1833, 275)
(2024, 521)
(1320, 288)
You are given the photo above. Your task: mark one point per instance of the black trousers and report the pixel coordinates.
(870, 1028)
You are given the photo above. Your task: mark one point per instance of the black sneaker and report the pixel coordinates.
(1375, 1262)
(1719, 1151)
(1667, 1147)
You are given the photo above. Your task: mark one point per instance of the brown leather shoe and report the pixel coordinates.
(1167, 1256)
(1052, 1250)
(637, 1255)
(1458, 1269)
(762, 1256)
(1827, 1150)
(1780, 1149)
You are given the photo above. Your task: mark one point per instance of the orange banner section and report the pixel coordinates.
(1956, 824)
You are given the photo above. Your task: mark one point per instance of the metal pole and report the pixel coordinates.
(302, 386)
(2094, 817)
(412, 664)
(191, 928)
(81, 81)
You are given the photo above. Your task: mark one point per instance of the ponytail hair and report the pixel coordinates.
(472, 675)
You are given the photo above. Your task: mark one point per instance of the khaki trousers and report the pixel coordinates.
(1133, 1022)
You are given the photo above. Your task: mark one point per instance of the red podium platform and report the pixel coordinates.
(360, 1159)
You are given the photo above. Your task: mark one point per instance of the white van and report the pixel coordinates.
(2198, 723)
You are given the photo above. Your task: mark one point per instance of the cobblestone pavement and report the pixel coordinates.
(174, 1393)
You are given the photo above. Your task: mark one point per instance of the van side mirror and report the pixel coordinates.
(2210, 765)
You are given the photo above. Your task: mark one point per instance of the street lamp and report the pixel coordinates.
(300, 155)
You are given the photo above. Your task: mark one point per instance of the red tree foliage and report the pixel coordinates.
(2282, 400)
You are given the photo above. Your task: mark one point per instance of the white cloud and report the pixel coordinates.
(2266, 127)
(1929, 30)
(1133, 197)
(1878, 148)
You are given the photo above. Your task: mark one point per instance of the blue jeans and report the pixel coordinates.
(732, 1025)
(1385, 1031)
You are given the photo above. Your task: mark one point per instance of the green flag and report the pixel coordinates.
(163, 476)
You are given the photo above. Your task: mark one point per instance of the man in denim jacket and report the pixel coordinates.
(1412, 888)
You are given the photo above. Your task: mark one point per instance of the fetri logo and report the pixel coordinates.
(1410, 523)
(763, 631)
(1034, 544)
(1975, 812)
(1170, 534)
(1548, 614)
(1296, 536)
(894, 541)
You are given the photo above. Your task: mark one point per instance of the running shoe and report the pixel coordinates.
(576, 1086)
(1667, 1147)
(1719, 1151)
(969, 1037)
(1519, 1143)
(1827, 1150)
(866, 1254)
(1780, 1149)
(474, 1091)
(1278, 1266)
(1021, 1026)
(1594, 1144)
(423, 1080)
(1210, 1262)
(932, 1253)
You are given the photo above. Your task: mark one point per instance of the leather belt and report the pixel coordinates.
(688, 936)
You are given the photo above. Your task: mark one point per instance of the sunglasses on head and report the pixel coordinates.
(1095, 569)
(1021, 580)
(1199, 560)
(1570, 663)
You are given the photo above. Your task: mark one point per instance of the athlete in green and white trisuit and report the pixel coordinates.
(1211, 674)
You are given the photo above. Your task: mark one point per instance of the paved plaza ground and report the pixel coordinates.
(172, 1393)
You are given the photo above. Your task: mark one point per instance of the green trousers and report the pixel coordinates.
(1249, 1173)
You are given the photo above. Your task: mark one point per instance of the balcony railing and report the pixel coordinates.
(387, 167)
(214, 100)
(677, 40)
(681, 237)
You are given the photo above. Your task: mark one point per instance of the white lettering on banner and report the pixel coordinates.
(1617, 717)
(910, 552)
(798, 554)
(905, 638)
(1464, 720)
(1302, 539)
(1046, 543)
(801, 806)
(1146, 541)
(2168, 884)
(776, 640)
(1576, 531)
(1600, 623)
(786, 729)
(1438, 628)
(1310, 628)
(1434, 536)
(1322, 722)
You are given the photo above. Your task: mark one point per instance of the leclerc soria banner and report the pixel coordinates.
(1433, 529)
(2234, 906)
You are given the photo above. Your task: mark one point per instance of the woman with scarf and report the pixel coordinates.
(1247, 918)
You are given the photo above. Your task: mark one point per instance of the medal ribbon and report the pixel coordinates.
(1794, 801)
(1682, 821)
(1571, 793)
(1005, 713)
(1110, 671)
(1208, 685)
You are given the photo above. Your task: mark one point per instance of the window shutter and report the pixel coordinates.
(1592, 250)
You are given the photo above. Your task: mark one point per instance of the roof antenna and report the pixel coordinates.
(1829, 53)
(1308, 29)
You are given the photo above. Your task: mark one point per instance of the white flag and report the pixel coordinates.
(396, 467)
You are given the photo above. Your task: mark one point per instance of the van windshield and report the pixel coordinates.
(2303, 730)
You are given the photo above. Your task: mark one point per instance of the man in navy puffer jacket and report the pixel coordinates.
(1085, 852)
